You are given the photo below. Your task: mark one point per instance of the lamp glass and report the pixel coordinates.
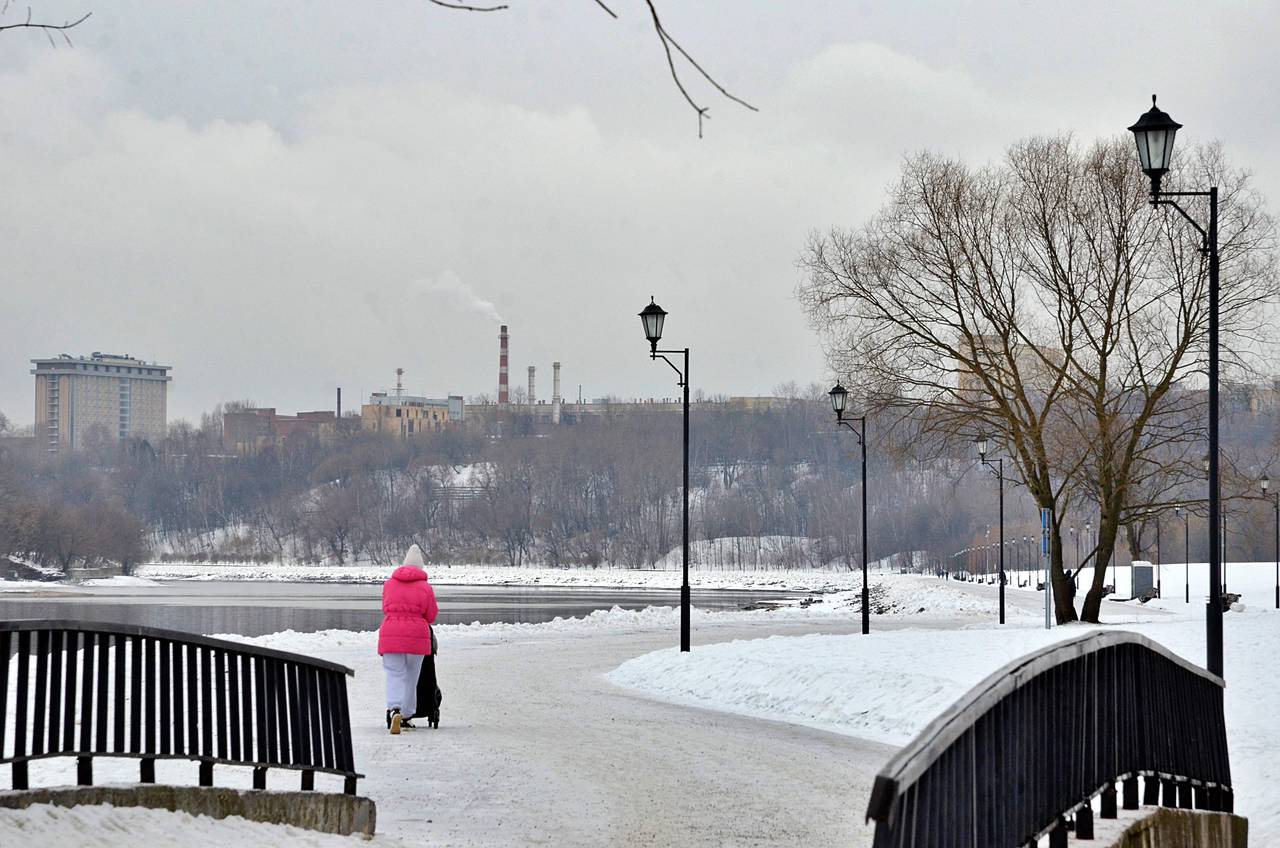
(981, 442)
(1154, 133)
(839, 398)
(652, 318)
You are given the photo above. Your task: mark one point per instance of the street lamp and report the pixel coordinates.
(652, 317)
(1274, 497)
(1089, 538)
(1159, 569)
(1186, 548)
(1154, 133)
(839, 399)
(996, 467)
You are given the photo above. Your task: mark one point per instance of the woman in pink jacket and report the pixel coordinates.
(408, 610)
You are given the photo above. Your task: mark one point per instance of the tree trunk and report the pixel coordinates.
(1107, 531)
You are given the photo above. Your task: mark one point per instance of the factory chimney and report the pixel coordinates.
(555, 393)
(504, 396)
(532, 401)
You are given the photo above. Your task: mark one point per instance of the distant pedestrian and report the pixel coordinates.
(408, 610)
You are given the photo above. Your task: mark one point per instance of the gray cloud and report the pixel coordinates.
(255, 211)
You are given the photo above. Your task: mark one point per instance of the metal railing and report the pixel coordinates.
(94, 689)
(1031, 746)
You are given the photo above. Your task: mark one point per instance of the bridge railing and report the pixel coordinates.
(1034, 743)
(94, 689)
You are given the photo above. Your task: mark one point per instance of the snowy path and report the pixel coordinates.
(537, 748)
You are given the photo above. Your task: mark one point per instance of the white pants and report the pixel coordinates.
(402, 681)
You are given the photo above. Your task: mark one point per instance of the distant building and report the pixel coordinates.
(409, 415)
(98, 396)
(250, 431)
(488, 417)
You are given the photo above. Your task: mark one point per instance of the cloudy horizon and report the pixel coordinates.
(279, 201)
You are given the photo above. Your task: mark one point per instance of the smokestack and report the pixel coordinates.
(555, 393)
(339, 403)
(504, 396)
(531, 398)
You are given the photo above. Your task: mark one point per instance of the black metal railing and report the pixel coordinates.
(1024, 752)
(94, 689)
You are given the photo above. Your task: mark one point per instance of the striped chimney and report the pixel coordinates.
(532, 401)
(504, 396)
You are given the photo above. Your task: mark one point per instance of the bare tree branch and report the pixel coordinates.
(48, 29)
(465, 8)
(667, 42)
(612, 13)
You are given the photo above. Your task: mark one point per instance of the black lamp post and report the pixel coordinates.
(1026, 543)
(996, 467)
(1186, 548)
(1154, 133)
(1274, 497)
(1158, 567)
(652, 317)
(839, 399)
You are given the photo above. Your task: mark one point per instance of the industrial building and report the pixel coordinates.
(250, 431)
(100, 396)
(406, 416)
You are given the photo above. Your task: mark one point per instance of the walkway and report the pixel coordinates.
(536, 748)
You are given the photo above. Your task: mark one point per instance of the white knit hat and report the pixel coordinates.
(414, 558)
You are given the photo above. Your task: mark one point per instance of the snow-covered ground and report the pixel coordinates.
(888, 685)
(105, 826)
(597, 731)
(799, 579)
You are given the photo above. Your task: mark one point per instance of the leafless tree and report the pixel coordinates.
(1040, 302)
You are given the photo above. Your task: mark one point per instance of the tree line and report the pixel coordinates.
(776, 488)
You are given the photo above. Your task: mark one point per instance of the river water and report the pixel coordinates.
(254, 609)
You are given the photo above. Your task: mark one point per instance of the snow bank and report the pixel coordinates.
(883, 686)
(120, 581)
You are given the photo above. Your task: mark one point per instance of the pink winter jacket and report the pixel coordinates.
(408, 610)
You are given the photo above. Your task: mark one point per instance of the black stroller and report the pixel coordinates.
(428, 690)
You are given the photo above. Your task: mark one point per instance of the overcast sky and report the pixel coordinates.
(280, 198)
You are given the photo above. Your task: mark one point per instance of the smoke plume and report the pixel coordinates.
(449, 288)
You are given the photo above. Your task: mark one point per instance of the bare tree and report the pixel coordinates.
(1037, 301)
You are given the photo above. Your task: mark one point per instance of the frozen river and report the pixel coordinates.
(255, 609)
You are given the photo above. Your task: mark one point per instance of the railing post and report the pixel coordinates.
(308, 780)
(20, 774)
(1151, 791)
(147, 770)
(206, 773)
(1184, 794)
(1058, 835)
(1084, 822)
(1170, 794)
(1130, 787)
(1107, 802)
(84, 771)
(259, 777)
